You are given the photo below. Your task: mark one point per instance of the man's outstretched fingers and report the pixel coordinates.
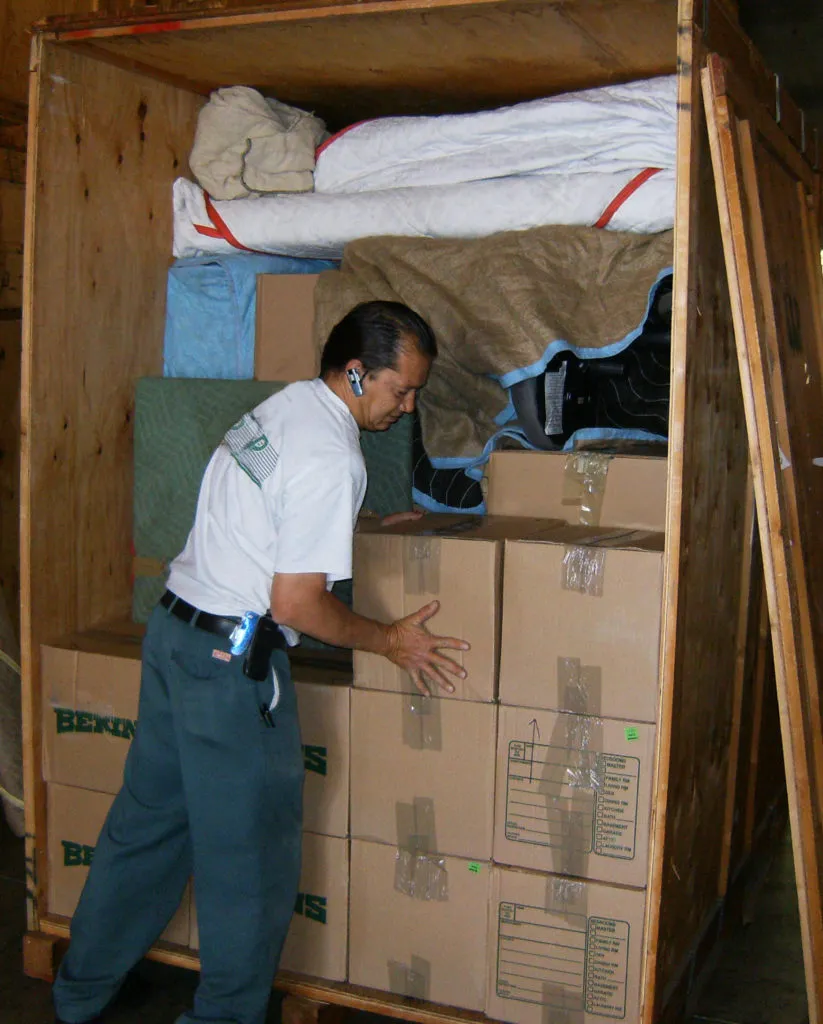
(441, 661)
(434, 673)
(420, 683)
(452, 642)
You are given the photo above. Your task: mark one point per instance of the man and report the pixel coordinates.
(213, 781)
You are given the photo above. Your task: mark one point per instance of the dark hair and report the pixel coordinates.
(374, 332)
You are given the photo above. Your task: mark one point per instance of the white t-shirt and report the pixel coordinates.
(299, 517)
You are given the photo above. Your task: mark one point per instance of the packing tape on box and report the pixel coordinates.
(569, 898)
(412, 979)
(418, 871)
(573, 774)
(579, 687)
(562, 1004)
(584, 484)
(582, 736)
(582, 569)
(422, 565)
(422, 722)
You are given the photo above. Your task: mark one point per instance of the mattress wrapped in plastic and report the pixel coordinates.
(614, 128)
(319, 225)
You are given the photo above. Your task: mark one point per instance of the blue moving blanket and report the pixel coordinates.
(210, 312)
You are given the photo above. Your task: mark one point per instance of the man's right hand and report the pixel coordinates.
(413, 648)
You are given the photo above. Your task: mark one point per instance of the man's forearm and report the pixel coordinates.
(326, 618)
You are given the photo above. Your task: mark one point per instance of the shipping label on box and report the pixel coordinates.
(561, 949)
(91, 688)
(317, 942)
(323, 708)
(75, 819)
(425, 948)
(580, 487)
(455, 560)
(284, 333)
(573, 795)
(581, 622)
(423, 772)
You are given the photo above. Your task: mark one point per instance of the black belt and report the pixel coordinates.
(220, 625)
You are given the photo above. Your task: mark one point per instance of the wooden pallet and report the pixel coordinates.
(308, 999)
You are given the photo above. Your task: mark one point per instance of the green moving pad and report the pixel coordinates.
(178, 424)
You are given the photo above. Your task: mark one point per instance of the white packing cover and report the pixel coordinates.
(321, 224)
(609, 129)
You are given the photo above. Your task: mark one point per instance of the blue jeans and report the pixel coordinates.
(209, 790)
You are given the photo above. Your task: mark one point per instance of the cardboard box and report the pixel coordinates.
(317, 943)
(563, 950)
(433, 949)
(588, 653)
(75, 818)
(455, 559)
(573, 795)
(323, 704)
(423, 772)
(91, 687)
(284, 331)
(318, 939)
(580, 487)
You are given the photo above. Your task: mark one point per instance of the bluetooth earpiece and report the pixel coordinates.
(355, 381)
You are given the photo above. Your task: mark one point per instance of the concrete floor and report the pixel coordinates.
(758, 978)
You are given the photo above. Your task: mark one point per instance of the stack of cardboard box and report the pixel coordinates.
(564, 622)
(91, 685)
(422, 789)
(317, 943)
(578, 702)
(89, 718)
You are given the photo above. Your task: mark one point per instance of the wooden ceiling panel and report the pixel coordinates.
(410, 58)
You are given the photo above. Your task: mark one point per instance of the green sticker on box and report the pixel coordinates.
(474, 867)
(632, 732)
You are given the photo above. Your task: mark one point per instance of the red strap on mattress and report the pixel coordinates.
(220, 228)
(333, 138)
(624, 193)
(201, 229)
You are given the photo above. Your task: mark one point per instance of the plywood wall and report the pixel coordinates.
(16, 17)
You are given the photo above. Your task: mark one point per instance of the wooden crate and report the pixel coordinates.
(113, 108)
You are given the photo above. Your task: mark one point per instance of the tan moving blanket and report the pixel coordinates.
(495, 305)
